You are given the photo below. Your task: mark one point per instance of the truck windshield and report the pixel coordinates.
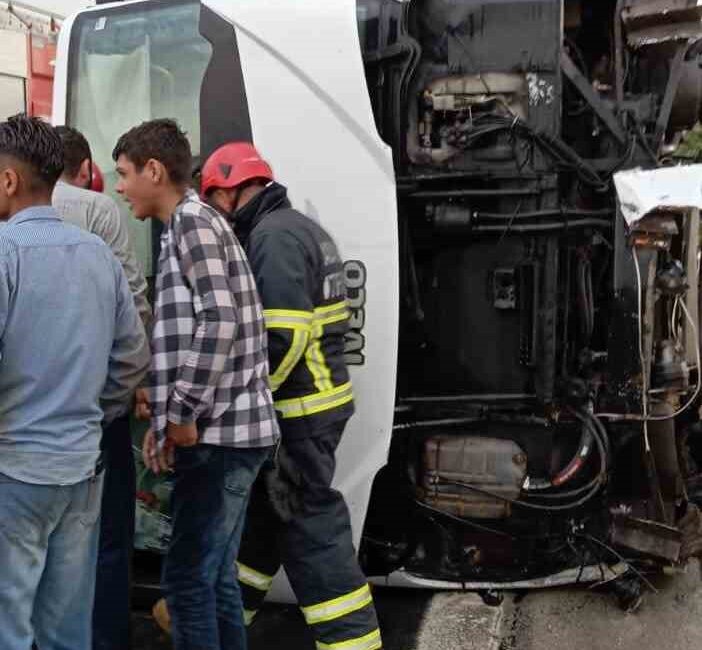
(130, 64)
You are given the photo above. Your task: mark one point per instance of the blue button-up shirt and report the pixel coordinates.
(72, 347)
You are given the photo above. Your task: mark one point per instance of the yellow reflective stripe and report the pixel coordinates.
(294, 319)
(288, 318)
(326, 370)
(333, 318)
(330, 314)
(317, 365)
(338, 607)
(289, 313)
(307, 328)
(327, 309)
(292, 356)
(310, 404)
(254, 578)
(249, 615)
(370, 641)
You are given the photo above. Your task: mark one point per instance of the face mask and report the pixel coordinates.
(231, 213)
(243, 214)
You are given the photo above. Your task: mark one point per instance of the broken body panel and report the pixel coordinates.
(533, 408)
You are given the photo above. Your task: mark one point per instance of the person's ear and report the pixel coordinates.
(9, 182)
(84, 176)
(155, 171)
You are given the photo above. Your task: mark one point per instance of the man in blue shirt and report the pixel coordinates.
(72, 350)
(99, 214)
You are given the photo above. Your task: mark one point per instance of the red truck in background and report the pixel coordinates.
(27, 53)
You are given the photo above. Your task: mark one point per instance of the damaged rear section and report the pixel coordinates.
(546, 424)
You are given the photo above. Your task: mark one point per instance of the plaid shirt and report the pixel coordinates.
(209, 360)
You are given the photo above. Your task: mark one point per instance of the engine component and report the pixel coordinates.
(451, 105)
(670, 279)
(460, 93)
(497, 466)
(661, 431)
(670, 370)
(660, 21)
(504, 288)
(646, 537)
(451, 217)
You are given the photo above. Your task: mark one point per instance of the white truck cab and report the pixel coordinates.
(294, 85)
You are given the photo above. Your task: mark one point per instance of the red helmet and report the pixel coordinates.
(233, 164)
(97, 183)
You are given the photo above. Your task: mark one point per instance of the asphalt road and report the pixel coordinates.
(552, 619)
(407, 618)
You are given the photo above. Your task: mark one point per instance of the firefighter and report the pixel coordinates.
(299, 276)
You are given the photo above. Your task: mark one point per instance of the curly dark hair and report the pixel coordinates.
(75, 149)
(35, 143)
(162, 140)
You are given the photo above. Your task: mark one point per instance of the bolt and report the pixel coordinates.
(520, 459)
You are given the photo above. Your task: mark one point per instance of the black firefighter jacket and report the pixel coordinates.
(300, 279)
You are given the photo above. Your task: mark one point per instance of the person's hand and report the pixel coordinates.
(157, 460)
(182, 435)
(142, 405)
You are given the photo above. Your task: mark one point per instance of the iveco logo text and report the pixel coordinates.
(355, 343)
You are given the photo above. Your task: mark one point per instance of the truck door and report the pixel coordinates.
(288, 76)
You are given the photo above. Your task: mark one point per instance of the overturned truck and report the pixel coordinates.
(546, 422)
(526, 361)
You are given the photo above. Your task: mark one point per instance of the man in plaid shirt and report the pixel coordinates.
(212, 415)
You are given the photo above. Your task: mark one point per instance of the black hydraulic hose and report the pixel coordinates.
(602, 430)
(603, 453)
(560, 149)
(585, 300)
(538, 214)
(588, 300)
(599, 430)
(551, 144)
(589, 434)
(591, 300)
(572, 469)
(545, 227)
(489, 417)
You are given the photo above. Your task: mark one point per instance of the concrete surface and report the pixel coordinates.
(458, 621)
(580, 618)
(573, 618)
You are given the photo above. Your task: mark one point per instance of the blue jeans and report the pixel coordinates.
(48, 550)
(210, 493)
(111, 616)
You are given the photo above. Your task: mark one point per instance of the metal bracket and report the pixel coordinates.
(671, 90)
(577, 78)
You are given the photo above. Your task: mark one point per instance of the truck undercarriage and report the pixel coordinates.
(546, 417)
